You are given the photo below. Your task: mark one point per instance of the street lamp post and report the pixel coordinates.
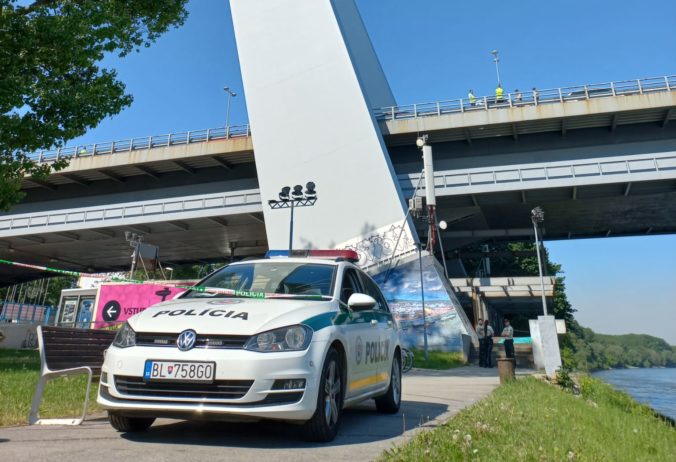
(537, 216)
(227, 112)
(292, 199)
(496, 60)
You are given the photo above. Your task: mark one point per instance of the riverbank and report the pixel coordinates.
(531, 420)
(655, 386)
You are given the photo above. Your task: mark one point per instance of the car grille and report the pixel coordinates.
(219, 389)
(203, 340)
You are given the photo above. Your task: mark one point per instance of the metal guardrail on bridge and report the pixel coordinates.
(146, 142)
(215, 204)
(532, 97)
(534, 176)
(409, 111)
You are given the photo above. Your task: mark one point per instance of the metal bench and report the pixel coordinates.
(66, 352)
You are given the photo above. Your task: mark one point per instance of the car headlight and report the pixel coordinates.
(292, 338)
(126, 337)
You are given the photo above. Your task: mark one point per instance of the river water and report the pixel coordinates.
(654, 387)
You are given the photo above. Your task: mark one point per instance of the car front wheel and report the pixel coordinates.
(129, 424)
(389, 403)
(323, 426)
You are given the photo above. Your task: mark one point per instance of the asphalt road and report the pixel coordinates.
(430, 398)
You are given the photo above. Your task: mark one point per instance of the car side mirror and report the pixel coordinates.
(361, 302)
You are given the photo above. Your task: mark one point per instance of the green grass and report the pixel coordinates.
(437, 359)
(63, 397)
(529, 420)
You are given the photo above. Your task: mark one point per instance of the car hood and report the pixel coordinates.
(231, 316)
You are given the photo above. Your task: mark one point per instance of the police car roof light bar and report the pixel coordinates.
(338, 255)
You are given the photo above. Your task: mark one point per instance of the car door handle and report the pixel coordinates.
(374, 322)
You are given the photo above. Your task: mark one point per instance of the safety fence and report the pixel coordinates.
(146, 142)
(199, 205)
(532, 97)
(639, 168)
(26, 313)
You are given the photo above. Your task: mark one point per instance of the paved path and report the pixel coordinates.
(430, 397)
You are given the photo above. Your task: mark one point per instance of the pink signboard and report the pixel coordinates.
(119, 302)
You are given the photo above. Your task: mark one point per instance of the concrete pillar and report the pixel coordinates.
(311, 79)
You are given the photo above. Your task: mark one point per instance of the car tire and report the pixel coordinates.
(390, 402)
(323, 426)
(129, 424)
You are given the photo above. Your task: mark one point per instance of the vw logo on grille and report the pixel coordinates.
(186, 340)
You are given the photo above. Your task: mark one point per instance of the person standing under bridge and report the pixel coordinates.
(508, 334)
(485, 333)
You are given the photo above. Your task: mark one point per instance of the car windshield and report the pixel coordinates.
(269, 277)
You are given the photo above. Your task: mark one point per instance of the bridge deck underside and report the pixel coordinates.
(570, 213)
(195, 241)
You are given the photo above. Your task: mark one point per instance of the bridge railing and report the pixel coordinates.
(146, 142)
(641, 168)
(149, 211)
(531, 97)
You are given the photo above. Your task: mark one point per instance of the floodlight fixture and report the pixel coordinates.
(421, 141)
(537, 215)
(294, 198)
(297, 193)
(310, 192)
(443, 224)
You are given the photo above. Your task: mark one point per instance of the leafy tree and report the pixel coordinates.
(52, 88)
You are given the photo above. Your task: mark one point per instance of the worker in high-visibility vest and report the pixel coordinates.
(499, 92)
(471, 97)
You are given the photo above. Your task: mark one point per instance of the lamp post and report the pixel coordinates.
(227, 112)
(292, 199)
(537, 216)
(496, 60)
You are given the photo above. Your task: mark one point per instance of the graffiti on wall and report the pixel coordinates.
(445, 319)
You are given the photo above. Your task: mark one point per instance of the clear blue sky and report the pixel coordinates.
(437, 49)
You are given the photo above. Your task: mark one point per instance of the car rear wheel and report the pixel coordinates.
(323, 426)
(389, 403)
(129, 424)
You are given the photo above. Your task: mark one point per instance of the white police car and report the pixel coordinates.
(295, 339)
